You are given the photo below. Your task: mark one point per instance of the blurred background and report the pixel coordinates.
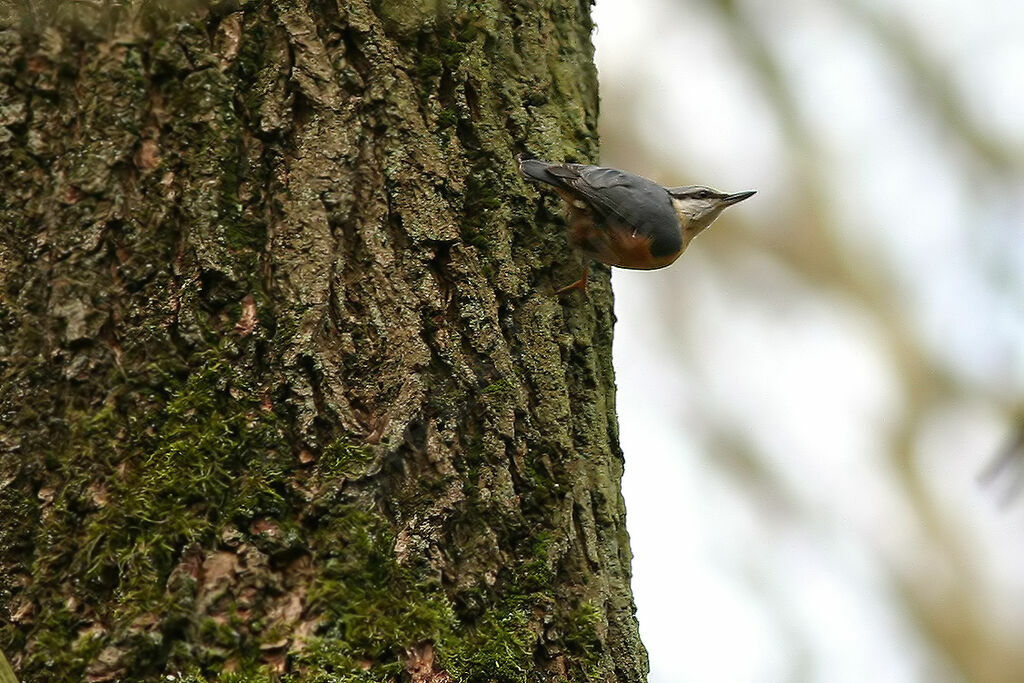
(819, 400)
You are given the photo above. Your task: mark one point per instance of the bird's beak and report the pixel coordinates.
(730, 199)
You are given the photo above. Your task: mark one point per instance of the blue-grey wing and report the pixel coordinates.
(616, 196)
(627, 197)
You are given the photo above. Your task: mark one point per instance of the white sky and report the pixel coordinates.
(793, 580)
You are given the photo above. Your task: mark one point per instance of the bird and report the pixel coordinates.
(625, 220)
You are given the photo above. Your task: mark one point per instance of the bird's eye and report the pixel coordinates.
(703, 194)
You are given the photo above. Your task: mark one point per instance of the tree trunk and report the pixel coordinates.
(285, 390)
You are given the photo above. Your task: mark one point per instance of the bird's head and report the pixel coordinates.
(698, 206)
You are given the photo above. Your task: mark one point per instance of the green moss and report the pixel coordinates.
(260, 675)
(375, 606)
(428, 67)
(241, 233)
(537, 573)
(499, 648)
(371, 608)
(323, 661)
(447, 118)
(68, 649)
(578, 628)
(204, 460)
(476, 238)
(453, 49)
(142, 482)
(502, 387)
(343, 458)
(375, 609)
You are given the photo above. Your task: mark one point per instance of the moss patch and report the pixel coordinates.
(209, 456)
(498, 648)
(343, 458)
(145, 478)
(374, 607)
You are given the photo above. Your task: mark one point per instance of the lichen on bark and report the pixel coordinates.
(286, 393)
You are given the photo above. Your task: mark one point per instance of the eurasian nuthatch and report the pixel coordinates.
(625, 220)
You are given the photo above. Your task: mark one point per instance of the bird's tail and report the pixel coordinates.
(536, 170)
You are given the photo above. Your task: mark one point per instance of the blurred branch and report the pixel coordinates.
(933, 82)
(1009, 458)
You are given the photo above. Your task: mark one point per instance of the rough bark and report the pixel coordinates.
(285, 391)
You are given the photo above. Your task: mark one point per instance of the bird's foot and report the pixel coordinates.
(579, 284)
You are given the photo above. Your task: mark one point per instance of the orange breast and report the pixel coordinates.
(617, 246)
(611, 243)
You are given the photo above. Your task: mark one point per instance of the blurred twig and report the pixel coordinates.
(1010, 459)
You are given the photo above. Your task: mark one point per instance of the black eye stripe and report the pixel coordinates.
(689, 193)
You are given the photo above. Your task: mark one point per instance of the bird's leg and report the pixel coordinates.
(579, 284)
